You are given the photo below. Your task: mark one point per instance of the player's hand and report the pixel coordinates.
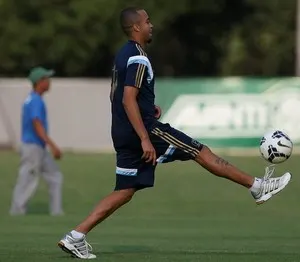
(56, 152)
(157, 112)
(149, 151)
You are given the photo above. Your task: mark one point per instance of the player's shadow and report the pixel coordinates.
(132, 249)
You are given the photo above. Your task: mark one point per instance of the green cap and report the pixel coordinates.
(37, 73)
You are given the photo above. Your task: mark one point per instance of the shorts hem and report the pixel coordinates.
(136, 187)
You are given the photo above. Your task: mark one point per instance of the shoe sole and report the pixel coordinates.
(65, 249)
(266, 197)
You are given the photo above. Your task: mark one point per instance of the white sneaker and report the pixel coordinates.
(270, 186)
(77, 247)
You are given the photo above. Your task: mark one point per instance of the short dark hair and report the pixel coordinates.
(128, 17)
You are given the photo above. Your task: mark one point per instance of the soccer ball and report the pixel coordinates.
(276, 147)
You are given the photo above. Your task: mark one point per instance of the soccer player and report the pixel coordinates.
(141, 141)
(35, 159)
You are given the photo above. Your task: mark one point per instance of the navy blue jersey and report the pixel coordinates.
(131, 68)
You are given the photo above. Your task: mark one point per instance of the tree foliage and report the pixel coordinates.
(191, 37)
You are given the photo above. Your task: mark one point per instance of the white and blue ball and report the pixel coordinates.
(276, 147)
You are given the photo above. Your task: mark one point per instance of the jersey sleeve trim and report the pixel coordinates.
(139, 59)
(140, 75)
(142, 62)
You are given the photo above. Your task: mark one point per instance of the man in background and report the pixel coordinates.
(35, 159)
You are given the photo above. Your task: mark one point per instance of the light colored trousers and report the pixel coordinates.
(35, 162)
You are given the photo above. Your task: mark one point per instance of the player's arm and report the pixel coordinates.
(133, 111)
(36, 109)
(41, 132)
(133, 83)
(135, 118)
(157, 112)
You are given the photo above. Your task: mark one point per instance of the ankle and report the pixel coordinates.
(77, 234)
(256, 185)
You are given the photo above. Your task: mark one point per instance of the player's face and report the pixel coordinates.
(45, 84)
(145, 26)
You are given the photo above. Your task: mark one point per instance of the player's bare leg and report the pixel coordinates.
(261, 189)
(220, 167)
(105, 208)
(75, 243)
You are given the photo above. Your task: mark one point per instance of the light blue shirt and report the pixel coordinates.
(33, 108)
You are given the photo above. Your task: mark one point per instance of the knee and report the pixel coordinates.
(203, 156)
(54, 179)
(59, 177)
(127, 194)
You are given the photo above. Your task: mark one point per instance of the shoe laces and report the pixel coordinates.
(269, 171)
(82, 245)
(90, 248)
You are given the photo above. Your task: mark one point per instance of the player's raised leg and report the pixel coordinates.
(222, 168)
(262, 189)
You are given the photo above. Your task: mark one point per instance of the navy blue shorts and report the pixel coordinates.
(170, 145)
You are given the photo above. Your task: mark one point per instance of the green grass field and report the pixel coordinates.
(190, 215)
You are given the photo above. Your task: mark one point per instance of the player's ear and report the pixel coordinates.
(136, 28)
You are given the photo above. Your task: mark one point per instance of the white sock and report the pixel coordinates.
(77, 234)
(256, 185)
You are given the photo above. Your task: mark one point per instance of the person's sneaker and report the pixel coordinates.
(77, 247)
(270, 186)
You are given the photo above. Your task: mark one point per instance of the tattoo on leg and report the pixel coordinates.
(221, 161)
